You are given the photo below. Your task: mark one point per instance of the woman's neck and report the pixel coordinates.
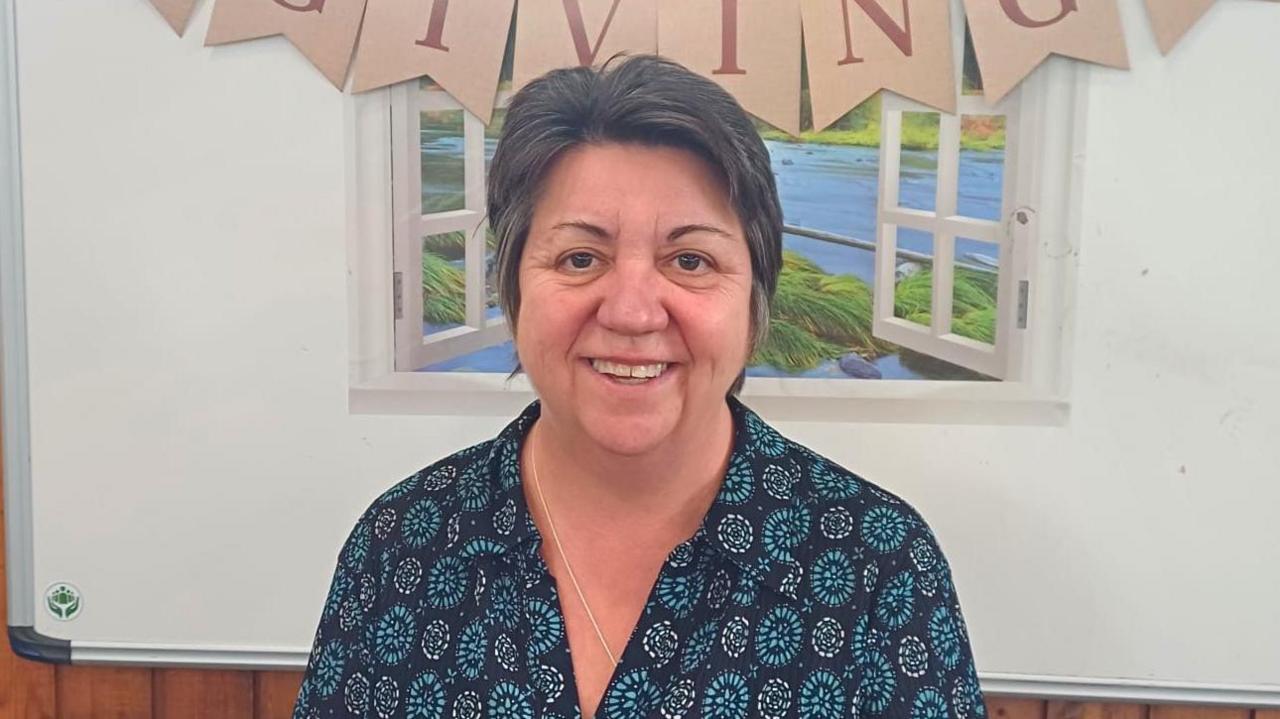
(668, 487)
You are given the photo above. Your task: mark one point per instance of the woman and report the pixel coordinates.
(696, 563)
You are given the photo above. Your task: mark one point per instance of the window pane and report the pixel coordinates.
(974, 294)
(981, 181)
(440, 136)
(918, 178)
(444, 302)
(827, 182)
(913, 277)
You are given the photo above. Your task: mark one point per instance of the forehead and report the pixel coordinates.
(623, 182)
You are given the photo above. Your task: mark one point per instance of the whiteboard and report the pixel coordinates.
(181, 445)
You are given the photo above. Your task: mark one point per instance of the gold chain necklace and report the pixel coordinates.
(533, 469)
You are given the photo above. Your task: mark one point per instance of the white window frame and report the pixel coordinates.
(1050, 138)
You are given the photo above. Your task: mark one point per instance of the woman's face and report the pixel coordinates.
(635, 287)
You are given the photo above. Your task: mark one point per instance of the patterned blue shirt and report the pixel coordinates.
(806, 592)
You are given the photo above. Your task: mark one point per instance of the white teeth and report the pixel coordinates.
(643, 372)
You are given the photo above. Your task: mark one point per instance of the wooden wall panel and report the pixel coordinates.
(1093, 710)
(1267, 714)
(209, 694)
(274, 694)
(1169, 711)
(103, 693)
(1011, 708)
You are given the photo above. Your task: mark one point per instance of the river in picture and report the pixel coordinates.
(832, 188)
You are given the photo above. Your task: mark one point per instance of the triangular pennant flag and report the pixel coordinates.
(572, 33)
(459, 45)
(749, 47)
(1012, 37)
(324, 31)
(1171, 19)
(175, 12)
(855, 48)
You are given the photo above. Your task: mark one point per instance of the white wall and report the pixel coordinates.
(185, 240)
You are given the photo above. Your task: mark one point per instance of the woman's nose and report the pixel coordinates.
(632, 302)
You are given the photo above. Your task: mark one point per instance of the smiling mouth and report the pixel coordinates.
(627, 373)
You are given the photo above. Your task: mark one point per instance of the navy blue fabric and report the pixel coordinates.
(806, 592)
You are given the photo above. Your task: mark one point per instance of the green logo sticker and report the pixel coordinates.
(63, 601)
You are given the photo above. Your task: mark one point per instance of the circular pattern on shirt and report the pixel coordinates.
(734, 636)
(878, 682)
(505, 519)
(327, 670)
(408, 574)
(467, 706)
(945, 637)
(784, 529)
(870, 576)
(832, 578)
(735, 533)
(929, 704)
(421, 522)
(821, 696)
(718, 590)
(679, 699)
(357, 546)
(504, 650)
(699, 645)
(632, 696)
(504, 602)
(435, 639)
(452, 530)
(745, 592)
(506, 701)
(481, 583)
(355, 693)
(832, 483)
(779, 481)
(923, 554)
(739, 481)
(836, 523)
(726, 697)
(385, 522)
(681, 556)
(897, 601)
(828, 637)
(446, 582)
(386, 697)
(913, 656)
(472, 646)
(884, 528)
(965, 697)
(779, 636)
(774, 699)
(391, 636)
(679, 593)
(439, 478)
(660, 642)
(425, 697)
(546, 627)
(549, 682)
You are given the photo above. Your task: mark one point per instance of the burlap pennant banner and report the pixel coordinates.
(458, 44)
(1171, 19)
(750, 47)
(323, 30)
(573, 33)
(855, 48)
(1012, 37)
(175, 12)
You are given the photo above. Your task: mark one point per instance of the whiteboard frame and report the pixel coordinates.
(17, 464)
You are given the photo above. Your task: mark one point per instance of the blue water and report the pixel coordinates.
(830, 188)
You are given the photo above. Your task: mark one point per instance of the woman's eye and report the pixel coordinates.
(690, 262)
(580, 260)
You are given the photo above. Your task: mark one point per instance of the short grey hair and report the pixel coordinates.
(643, 99)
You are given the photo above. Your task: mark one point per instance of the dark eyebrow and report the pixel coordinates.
(683, 230)
(596, 230)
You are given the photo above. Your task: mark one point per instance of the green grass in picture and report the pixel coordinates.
(973, 311)
(443, 290)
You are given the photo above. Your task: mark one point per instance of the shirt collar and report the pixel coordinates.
(756, 521)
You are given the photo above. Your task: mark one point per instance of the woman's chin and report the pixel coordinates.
(629, 433)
